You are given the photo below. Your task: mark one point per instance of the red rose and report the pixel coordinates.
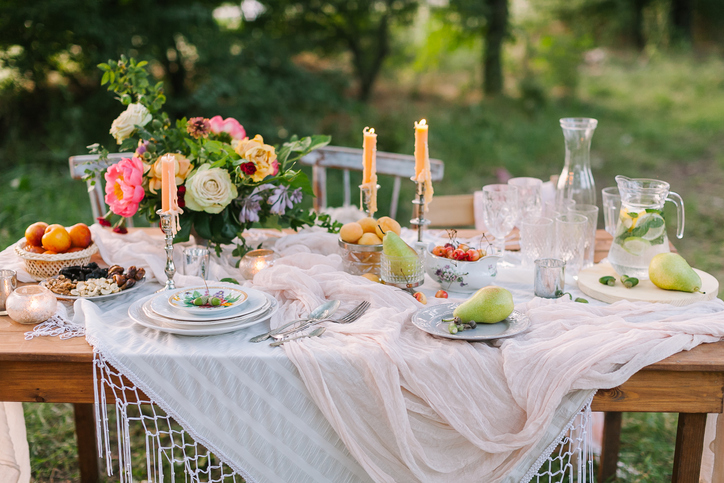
(248, 168)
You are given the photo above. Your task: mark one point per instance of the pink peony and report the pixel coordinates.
(230, 126)
(124, 190)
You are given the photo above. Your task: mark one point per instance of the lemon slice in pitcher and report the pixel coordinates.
(657, 227)
(635, 245)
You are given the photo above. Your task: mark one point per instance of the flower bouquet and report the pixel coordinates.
(227, 182)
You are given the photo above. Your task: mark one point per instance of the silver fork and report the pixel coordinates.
(350, 316)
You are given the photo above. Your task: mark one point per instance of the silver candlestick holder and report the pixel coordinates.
(365, 195)
(168, 225)
(420, 221)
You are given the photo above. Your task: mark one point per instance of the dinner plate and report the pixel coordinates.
(161, 306)
(231, 298)
(430, 318)
(135, 312)
(149, 313)
(138, 285)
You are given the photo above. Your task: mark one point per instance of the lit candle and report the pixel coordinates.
(169, 200)
(255, 261)
(369, 156)
(422, 160)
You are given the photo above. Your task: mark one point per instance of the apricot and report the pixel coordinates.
(75, 249)
(34, 233)
(369, 224)
(57, 240)
(34, 249)
(80, 235)
(386, 224)
(49, 252)
(371, 276)
(369, 239)
(50, 227)
(350, 232)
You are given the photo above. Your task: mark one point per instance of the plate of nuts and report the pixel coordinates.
(92, 281)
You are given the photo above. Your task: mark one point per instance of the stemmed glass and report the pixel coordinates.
(500, 212)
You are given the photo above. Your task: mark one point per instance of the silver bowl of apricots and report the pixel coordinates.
(459, 267)
(360, 244)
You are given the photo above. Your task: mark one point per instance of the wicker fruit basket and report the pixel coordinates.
(41, 266)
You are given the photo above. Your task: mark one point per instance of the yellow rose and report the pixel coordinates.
(263, 156)
(182, 169)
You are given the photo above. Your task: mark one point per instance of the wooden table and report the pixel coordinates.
(690, 383)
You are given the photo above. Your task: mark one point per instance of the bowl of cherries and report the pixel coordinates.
(459, 267)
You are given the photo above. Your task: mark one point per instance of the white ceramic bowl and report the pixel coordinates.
(457, 276)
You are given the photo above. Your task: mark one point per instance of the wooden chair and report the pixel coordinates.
(451, 211)
(78, 167)
(350, 159)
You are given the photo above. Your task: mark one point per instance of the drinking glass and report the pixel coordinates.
(570, 240)
(611, 208)
(591, 213)
(554, 208)
(500, 212)
(536, 239)
(8, 283)
(196, 261)
(529, 197)
(549, 278)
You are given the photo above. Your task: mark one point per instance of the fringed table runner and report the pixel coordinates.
(376, 400)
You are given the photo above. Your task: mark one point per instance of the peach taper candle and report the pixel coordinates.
(423, 177)
(369, 169)
(169, 192)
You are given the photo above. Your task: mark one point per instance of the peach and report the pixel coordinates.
(386, 224)
(75, 249)
(369, 224)
(57, 240)
(80, 235)
(371, 276)
(34, 233)
(34, 249)
(49, 252)
(369, 239)
(50, 227)
(351, 232)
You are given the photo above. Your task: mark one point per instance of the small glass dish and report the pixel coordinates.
(360, 259)
(402, 272)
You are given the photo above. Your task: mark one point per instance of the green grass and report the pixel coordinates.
(658, 117)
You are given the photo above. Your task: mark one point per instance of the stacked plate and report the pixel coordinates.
(175, 312)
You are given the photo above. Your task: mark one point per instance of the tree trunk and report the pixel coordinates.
(368, 64)
(637, 24)
(680, 16)
(497, 29)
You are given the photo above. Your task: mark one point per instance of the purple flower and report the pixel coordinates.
(251, 205)
(281, 199)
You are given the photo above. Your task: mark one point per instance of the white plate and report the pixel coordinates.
(97, 297)
(150, 314)
(182, 299)
(135, 312)
(430, 318)
(160, 305)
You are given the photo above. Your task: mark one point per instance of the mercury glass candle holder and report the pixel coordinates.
(31, 304)
(255, 261)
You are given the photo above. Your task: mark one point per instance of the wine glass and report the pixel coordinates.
(500, 212)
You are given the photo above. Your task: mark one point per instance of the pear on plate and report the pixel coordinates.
(487, 306)
(671, 272)
(402, 257)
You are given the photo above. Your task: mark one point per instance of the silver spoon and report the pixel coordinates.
(322, 312)
(315, 333)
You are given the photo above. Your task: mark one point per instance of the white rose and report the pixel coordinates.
(209, 189)
(125, 124)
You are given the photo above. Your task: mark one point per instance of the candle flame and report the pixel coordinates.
(421, 123)
(369, 130)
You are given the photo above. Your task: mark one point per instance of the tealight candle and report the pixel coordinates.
(31, 304)
(255, 261)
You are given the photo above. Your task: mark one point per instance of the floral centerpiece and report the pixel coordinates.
(227, 182)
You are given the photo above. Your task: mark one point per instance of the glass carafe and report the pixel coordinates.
(641, 230)
(576, 179)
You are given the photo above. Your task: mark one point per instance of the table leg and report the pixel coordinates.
(610, 447)
(689, 447)
(85, 431)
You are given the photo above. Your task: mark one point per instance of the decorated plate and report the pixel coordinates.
(223, 298)
(430, 318)
(207, 321)
(162, 307)
(136, 313)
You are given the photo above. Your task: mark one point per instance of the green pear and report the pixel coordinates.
(488, 306)
(403, 258)
(671, 272)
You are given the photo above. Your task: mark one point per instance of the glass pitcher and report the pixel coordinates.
(576, 180)
(641, 230)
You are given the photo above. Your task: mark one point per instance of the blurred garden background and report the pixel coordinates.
(492, 77)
